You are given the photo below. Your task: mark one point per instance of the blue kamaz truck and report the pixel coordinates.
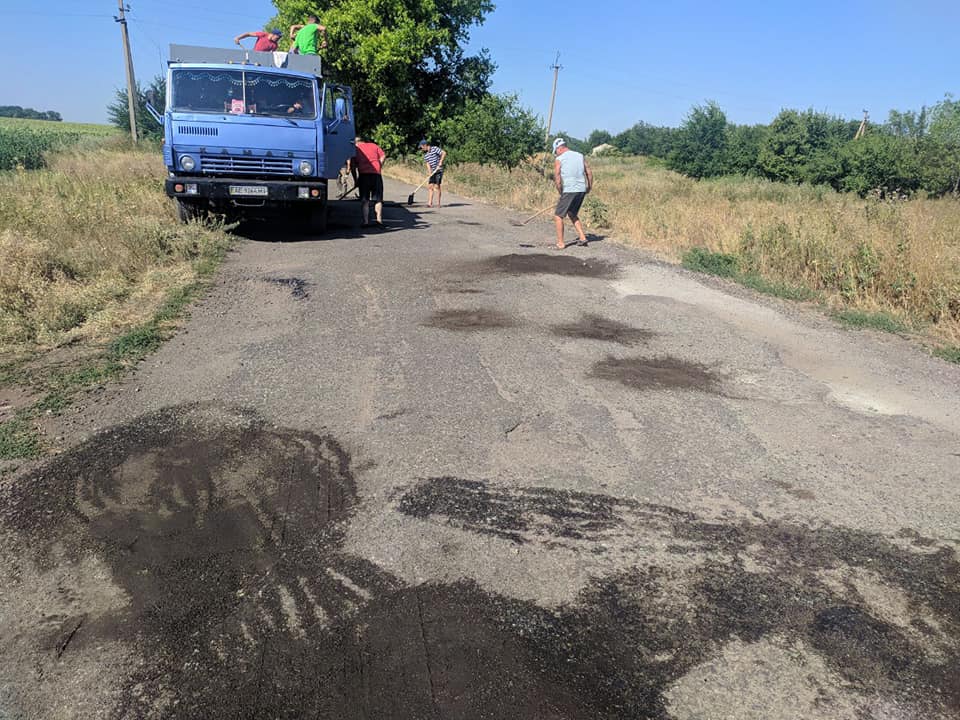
(253, 134)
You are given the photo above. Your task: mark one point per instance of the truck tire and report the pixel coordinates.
(315, 219)
(188, 210)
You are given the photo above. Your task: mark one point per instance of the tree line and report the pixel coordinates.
(15, 111)
(912, 151)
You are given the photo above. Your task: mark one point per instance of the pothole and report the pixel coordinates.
(658, 373)
(595, 327)
(469, 320)
(298, 286)
(542, 263)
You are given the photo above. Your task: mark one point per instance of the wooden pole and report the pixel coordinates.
(553, 95)
(128, 61)
(862, 130)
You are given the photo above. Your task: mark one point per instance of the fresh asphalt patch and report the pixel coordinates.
(634, 633)
(542, 263)
(297, 286)
(469, 320)
(595, 327)
(225, 536)
(658, 373)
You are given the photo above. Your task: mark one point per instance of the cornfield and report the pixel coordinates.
(23, 143)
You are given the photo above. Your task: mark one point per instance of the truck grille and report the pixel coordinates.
(198, 130)
(246, 165)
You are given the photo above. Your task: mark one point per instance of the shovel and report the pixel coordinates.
(346, 192)
(538, 213)
(410, 196)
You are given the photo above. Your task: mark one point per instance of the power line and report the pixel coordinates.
(59, 14)
(203, 11)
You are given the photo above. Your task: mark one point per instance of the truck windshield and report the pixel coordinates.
(243, 93)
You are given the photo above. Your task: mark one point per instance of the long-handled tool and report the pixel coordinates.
(538, 213)
(410, 196)
(342, 195)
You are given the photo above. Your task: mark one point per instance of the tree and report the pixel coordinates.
(495, 129)
(805, 147)
(646, 139)
(942, 151)
(147, 127)
(700, 143)
(598, 137)
(404, 59)
(15, 111)
(742, 150)
(880, 162)
(907, 124)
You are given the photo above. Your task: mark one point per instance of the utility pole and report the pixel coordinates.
(862, 130)
(128, 61)
(556, 72)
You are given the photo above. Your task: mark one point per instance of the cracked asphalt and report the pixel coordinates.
(446, 471)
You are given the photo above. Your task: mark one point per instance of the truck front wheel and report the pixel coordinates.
(315, 219)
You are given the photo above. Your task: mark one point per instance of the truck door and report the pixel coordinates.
(338, 127)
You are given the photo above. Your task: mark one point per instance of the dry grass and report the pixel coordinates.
(899, 258)
(90, 247)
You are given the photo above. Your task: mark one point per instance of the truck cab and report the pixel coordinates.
(253, 134)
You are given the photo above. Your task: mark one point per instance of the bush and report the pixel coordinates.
(714, 263)
(804, 147)
(598, 214)
(494, 130)
(699, 146)
(882, 163)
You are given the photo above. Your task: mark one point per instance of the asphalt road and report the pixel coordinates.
(446, 471)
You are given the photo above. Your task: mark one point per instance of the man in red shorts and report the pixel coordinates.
(365, 167)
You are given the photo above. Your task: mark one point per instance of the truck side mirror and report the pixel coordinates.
(154, 114)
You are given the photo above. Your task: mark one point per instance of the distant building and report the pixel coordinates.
(603, 149)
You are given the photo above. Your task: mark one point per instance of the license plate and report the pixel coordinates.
(248, 190)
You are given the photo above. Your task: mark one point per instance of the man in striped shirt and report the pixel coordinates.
(433, 157)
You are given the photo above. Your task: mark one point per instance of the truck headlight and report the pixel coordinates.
(187, 163)
(305, 167)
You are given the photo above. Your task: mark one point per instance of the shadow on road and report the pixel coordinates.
(343, 223)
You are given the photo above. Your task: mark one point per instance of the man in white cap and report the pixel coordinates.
(574, 180)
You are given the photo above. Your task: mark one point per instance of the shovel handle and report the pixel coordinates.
(424, 182)
(537, 213)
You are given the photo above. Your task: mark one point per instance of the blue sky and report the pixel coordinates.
(622, 62)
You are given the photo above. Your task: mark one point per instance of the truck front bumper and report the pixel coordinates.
(246, 191)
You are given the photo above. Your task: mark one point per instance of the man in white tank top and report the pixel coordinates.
(574, 180)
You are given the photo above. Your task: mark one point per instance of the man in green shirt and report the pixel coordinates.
(307, 38)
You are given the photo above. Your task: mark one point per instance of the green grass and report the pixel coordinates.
(728, 266)
(19, 439)
(138, 343)
(863, 320)
(780, 290)
(951, 353)
(714, 263)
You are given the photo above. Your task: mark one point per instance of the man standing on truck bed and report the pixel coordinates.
(368, 162)
(266, 41)
(306, 38)
(574, 180)
(433, 157)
